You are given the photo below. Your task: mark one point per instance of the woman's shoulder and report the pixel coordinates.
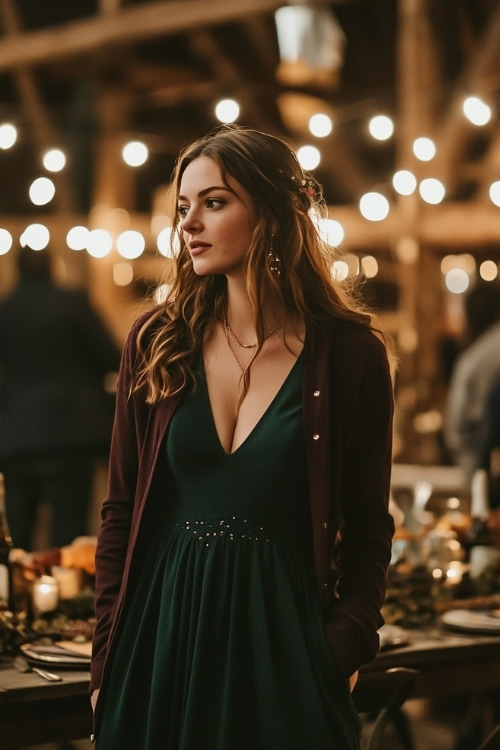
(146, 319)
(352, 335)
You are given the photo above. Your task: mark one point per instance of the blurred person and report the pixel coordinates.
(488, 453)
(242, 559)
(55, 415)
(472, 376)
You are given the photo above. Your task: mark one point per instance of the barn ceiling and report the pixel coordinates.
(86, 75)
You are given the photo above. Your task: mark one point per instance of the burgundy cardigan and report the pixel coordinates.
(347, 414)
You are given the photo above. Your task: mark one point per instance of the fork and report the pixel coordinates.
(23, 665)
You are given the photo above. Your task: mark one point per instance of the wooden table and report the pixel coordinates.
(449, 662)
(33, 711)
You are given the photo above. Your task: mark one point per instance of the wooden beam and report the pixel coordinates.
(128, 24)
(43, 132)
(454, 226)
(481, 78)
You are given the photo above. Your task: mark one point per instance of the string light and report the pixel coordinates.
(374, 206)
(309, 157)
(77, 238)
(488, 270)
(8, 135)
(476, 111)
(5, 241)
(123, 274)
(130, 244)
(36, 236)
(135, 153)
(424, 149)
(431, 190)
(41, 191)
(99, 243)
(320, 125)
(494, 192)
(404, 182)
(227, 110)
(381, 127)
(331, 231)
(54, 160)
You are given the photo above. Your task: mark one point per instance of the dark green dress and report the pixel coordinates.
(222, 646)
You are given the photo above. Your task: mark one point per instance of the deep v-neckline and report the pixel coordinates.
(262, 416)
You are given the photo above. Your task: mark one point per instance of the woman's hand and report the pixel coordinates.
(353, 680)
(93, 698)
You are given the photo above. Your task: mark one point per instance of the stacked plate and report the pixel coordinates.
(471, 621)
(64, 654)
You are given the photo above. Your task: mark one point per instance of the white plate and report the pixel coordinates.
(55, 655)
(471, 621)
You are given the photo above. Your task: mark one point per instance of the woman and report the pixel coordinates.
(241, 563)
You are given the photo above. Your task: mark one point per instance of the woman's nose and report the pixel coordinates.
(190, 222)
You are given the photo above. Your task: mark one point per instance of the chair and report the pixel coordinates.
(384, 693)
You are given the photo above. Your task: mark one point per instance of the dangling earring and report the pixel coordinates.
(273, 259)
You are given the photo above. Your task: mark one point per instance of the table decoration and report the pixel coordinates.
(45, 594)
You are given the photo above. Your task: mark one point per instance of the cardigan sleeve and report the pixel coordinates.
(117, 509)
(361, 459)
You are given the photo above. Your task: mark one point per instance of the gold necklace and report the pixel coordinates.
(226, 336)
(228, 329)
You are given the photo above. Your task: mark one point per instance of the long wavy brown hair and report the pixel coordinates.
(287, 203)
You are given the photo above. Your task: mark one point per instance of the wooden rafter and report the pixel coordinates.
(125, 25)
(481, 77)
(37, 113)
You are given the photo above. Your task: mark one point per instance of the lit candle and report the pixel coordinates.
(68, 581)
(45, 594)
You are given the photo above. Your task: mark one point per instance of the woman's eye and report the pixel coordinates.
(182, 210)
(214, 202)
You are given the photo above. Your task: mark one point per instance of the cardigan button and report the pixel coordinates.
(316, 394)
(325, 525)
(316, 436)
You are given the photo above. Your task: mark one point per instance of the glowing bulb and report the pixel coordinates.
(5, 241)
(309, 157)
(431, 190)
(340, 270)
(369, 266)
(381, 127)
(167, 245)
(495, 193)
(130, 244)
(54, 160)
(135, 153)
(99, 243)
(476, 111)
(457, 281)
(374, 206)
(123, 274)
(227, 110)
(404, 182)
(36, 236)
(41, 191)
(8, 135)
(331, 231)
(424, 149)
(77, 238)
(488, 270)
(320, 125)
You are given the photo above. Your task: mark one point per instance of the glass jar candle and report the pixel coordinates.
(45, 594)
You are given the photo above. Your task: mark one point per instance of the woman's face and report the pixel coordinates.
(216, 219)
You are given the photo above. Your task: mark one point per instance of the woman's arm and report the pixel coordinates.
(116, 512)
(363, 548)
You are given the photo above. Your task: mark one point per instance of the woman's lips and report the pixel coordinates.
(198, 248)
